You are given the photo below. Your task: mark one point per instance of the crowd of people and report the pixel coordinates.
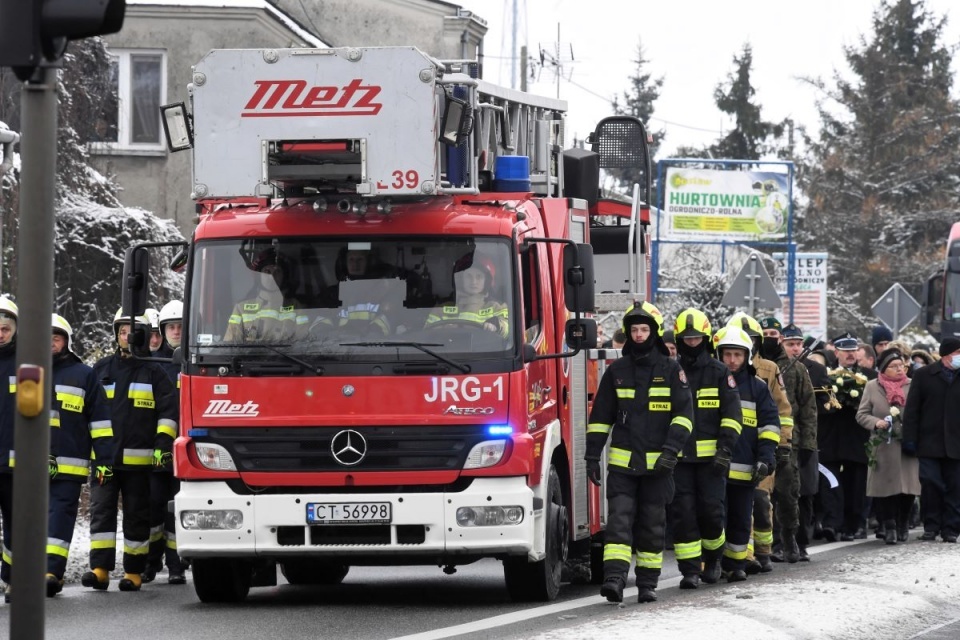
(112, 425)
(741, 445)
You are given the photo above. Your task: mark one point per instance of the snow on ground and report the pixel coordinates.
(890, 593)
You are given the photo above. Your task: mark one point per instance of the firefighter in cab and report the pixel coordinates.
(697, 512)
(754, 455)
(474, 304)
(644, 400)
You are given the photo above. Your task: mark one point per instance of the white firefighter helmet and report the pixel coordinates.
(119, 318)
(171, 312)
(733, 336)
(153, 317)
(8, 308)
(61, 326)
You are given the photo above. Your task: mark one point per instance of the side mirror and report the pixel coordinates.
(179, 261)
(457, 121)
(136, 269)
(176, 126)
(581, 333)
(139, 340)
(578, 278)
(177, 356)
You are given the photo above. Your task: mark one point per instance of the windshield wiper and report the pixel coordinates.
(465, 368)
(274, 347)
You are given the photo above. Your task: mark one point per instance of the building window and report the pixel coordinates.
(132, 123)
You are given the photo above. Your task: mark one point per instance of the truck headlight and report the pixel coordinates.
(489, 516)
(485, 454)
(212, 519)
(215, 457)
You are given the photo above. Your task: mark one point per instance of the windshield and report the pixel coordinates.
(396, 300)
(951, 296)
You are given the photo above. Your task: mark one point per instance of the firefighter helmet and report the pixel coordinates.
(691, 323)
(732, 336)
(171, 312)
(153, 316)
(119, 318)
(8, 308)
(61, 326)
(747, 323)
(644, 312)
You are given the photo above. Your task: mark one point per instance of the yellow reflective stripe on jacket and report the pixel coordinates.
(626, 394)
(58, 547)
(101, 429)
(770, 432)
(739, 471)
(109, 389)
(55, 418)
(706, 448)
(70, 398)
(708, 398)
(708, 403)
(708, 392)
(659, 392)
(73, 466)
(652, 457)
(619, 457)
(599, 427)
(786, 421)
(621, 552)
(686, 550)
(138, 457)
(140, 390)
(648, 560)
(749, 413)
(735, 551)
(167, 427)
(730, 423)
(13, 384)
(684, 422)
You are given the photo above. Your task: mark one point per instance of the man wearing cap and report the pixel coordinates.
(799, 391)
(843, 453)
(799, 348)
(880, 338)
(671, 342)
(931, 431)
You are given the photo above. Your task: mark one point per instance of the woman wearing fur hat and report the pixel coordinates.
(893, 480)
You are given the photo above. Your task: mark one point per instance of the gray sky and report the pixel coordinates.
(691, 44)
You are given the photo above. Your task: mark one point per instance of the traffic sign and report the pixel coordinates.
(896, 308)
(752, 288)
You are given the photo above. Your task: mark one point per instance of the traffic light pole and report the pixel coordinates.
(38, 152)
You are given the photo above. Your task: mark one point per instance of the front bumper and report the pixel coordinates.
(423, 528)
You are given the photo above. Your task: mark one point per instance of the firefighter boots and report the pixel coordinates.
(738, 575)
(54, 585)
(711, 571)
(788, 542)
(130, 582)
(612, 589)
(646, 594)
(176, 578)
(98, 579)
(691, 581)
(764, 560)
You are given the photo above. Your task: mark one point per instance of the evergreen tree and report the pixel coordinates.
(748, 141)
(882, 180)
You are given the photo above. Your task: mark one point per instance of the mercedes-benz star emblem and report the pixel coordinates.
(348, 390)
(348, 447)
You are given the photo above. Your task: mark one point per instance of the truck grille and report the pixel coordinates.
(305, 449)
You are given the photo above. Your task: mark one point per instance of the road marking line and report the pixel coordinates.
(529, 614)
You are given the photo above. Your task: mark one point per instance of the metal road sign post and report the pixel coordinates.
(752, 288)
(896, 309)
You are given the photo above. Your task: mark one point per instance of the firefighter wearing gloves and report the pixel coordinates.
(767, 371)
(754, 455)
(143, 412)
(163, 486)
(80, 418)
(804, 406)
(697, 511)
(8, 402)
(644, 399)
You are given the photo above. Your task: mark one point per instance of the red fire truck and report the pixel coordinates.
(387, 311)
(942, 292)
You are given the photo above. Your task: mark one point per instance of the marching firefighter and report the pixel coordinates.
(143, 412)
(644, 399)
(804, 406)
(696, 514)
(163, 485)
(8, 399)
(754, 455)
(767, 371)
(80, 418)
